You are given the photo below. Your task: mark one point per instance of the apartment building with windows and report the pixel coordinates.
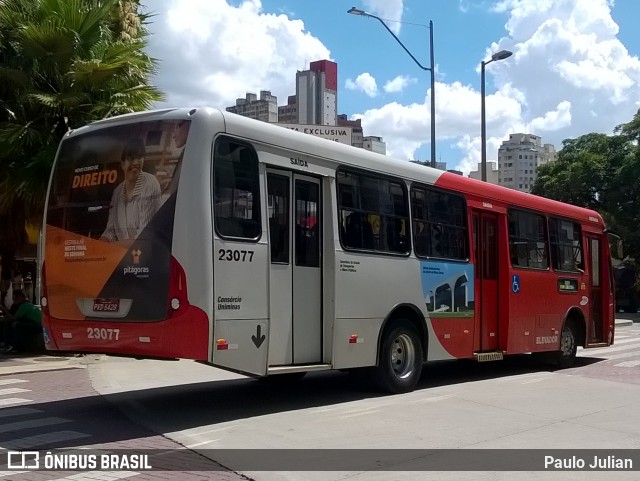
(265, 109)
(519, 158)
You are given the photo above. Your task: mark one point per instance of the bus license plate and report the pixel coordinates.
(106, 305)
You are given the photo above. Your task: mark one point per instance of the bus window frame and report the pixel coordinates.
(374, 175)
(249, 145)
(426, 188)
(547, 238)
(577, 270)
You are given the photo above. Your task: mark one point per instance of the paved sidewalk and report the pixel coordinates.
(57, 408)
(23, 363)
(624, 322)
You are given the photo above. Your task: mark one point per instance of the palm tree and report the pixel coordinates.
(63, 63)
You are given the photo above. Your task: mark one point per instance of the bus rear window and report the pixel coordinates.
(109, 221)
(236, 191)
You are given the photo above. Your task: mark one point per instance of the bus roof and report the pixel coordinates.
(268, 134)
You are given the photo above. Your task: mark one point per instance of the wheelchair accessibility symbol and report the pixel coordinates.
(515, 284)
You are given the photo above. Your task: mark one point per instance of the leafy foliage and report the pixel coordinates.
(600, 172)
(63, 64)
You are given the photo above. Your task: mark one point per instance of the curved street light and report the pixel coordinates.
(501, 55)
(357, 11)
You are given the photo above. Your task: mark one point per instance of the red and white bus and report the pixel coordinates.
(204, 235)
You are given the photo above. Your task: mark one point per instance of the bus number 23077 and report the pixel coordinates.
(103, 334)
(235, 255)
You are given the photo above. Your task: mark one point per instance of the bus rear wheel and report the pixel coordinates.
(400, 364)
(566, 356)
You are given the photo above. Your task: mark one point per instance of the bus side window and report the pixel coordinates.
(438, 249)
(358, 232)
(421, 238)
(236, 190)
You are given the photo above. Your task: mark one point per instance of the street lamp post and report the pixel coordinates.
(501, 55)
(356, 11)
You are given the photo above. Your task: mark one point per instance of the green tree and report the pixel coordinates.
(600, 172)
(63, 64)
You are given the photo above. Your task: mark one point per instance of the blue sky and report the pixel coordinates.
(575, 67)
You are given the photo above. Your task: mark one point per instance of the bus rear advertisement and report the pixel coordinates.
(204, 235)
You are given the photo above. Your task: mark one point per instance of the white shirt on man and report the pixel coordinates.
(127, 218)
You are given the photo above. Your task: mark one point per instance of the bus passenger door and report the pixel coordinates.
(485, 227)
(295, 273)
(596, 304)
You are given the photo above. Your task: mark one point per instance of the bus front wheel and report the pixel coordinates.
(566, 356)
(400, 363)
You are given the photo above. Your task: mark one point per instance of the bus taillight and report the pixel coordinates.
(178, 300)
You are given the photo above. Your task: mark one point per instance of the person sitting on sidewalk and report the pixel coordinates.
(23, 323)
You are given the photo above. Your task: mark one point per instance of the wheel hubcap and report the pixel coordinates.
(566, 344)
(403, 356)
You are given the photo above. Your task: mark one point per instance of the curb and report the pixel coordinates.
(23, 365)
(624, 322)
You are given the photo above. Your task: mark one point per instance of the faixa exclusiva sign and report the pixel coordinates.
(330, 132)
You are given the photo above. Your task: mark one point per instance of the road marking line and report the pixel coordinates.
(430, 399)
(4, 382)
(191, 446)
(14, 400)
(9, 473)
(628, 364)
(32, 423)
(195, 432)
(352, 414)
(13, 390)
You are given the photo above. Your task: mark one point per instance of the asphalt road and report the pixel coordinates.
(111, 404)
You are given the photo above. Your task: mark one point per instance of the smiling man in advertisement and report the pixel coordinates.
(109, 223)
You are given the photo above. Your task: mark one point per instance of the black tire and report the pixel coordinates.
(566, 356)
(400, 362)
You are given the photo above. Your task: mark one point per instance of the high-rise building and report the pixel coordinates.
(315, 103)
(492, 173)
(356, 129)
(427, 163)
(519, 158)
(288, 114)
(317, 93)
(374, 144)
(265, 109)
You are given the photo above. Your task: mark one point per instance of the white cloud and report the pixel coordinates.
(399, 83)
(554, 119)
(388, 10)
(364, 83)
(205, 61)
(569, 75)
(406, 127)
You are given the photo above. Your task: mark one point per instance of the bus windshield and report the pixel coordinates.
(109, 222)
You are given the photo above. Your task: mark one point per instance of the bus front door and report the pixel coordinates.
(295, 273)
(596, 305)
(485, 227)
